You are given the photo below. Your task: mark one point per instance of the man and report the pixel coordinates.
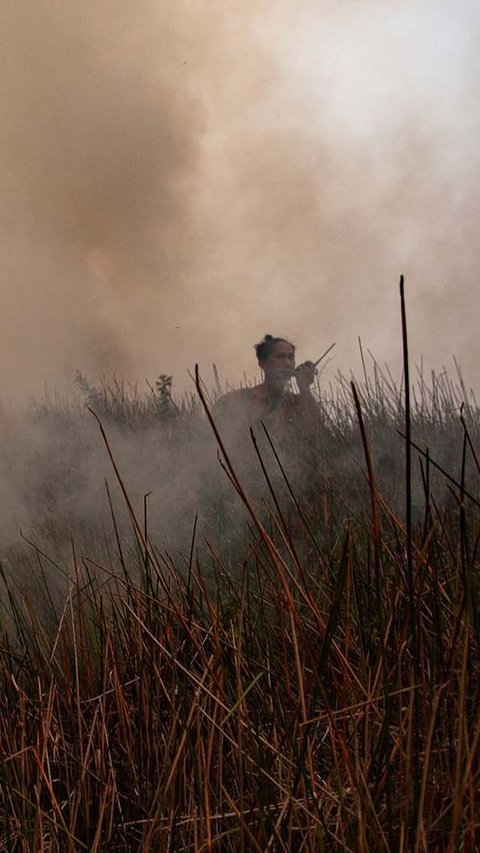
(285, 427)
(271, 402)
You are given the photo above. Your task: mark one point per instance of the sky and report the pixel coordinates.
(180, 178)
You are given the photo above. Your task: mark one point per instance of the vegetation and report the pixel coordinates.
(305, 680)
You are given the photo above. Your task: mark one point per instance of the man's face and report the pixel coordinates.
(280, 363)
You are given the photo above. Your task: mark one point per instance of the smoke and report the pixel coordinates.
(360, 164)
(178, 179)
(99, 161)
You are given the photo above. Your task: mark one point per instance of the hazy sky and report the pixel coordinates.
(179, 178)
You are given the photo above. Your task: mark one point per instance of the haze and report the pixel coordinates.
(178, 179)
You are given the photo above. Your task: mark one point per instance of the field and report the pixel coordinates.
(279, 660)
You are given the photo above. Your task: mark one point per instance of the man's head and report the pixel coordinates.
(276, 357)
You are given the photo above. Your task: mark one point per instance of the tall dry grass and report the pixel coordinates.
(312, 686)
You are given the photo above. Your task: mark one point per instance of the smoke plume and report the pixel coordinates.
(178, 179)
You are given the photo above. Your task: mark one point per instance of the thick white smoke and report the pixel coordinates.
(178, 180)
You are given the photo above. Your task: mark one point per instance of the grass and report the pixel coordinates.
(305, 679)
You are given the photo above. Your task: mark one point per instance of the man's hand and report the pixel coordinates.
(305, 374)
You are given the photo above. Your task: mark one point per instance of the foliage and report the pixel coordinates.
(311, 687)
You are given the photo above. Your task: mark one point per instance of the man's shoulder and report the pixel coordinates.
(238, 393)
(236, 397)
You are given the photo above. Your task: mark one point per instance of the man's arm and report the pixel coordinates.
(305, 376)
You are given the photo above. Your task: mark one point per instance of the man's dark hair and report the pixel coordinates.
(265, 347)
